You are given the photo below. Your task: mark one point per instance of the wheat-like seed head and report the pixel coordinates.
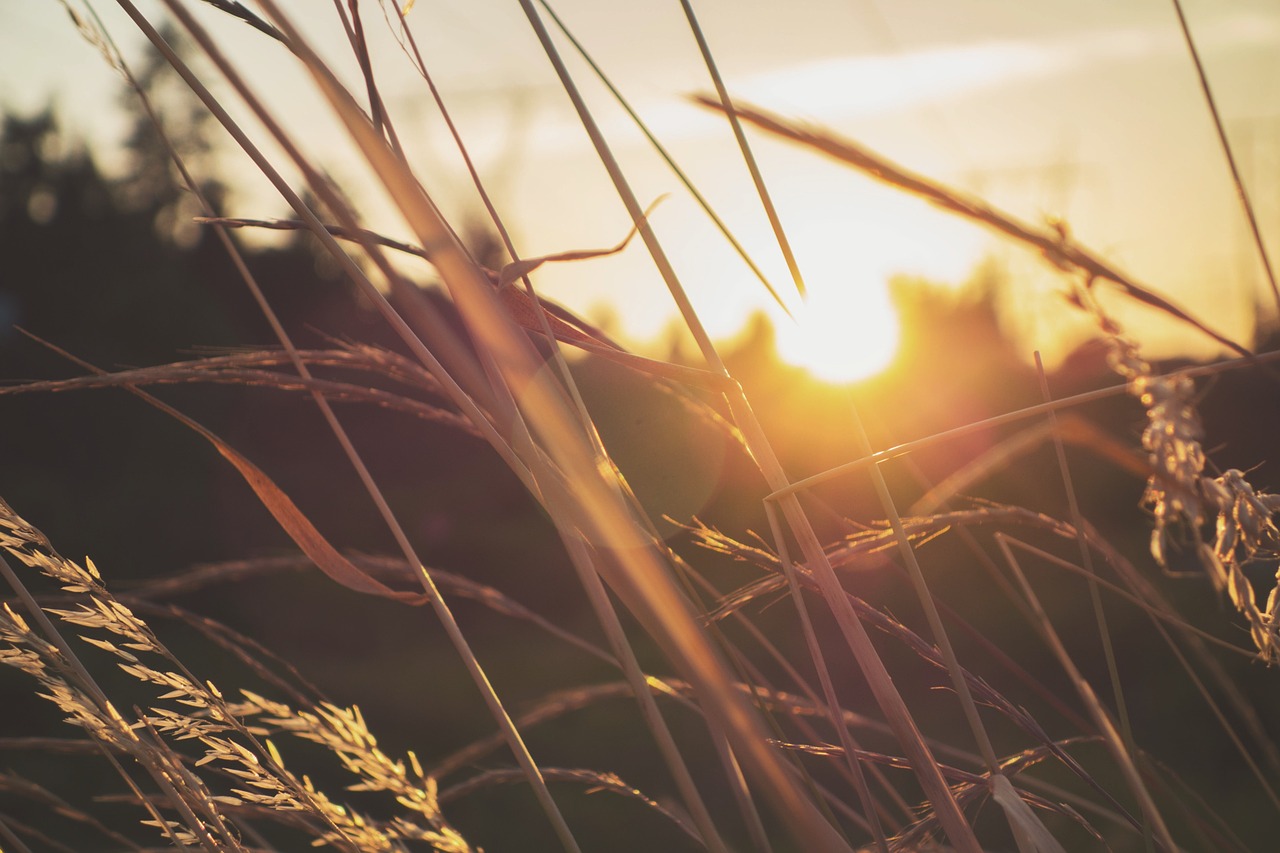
(1181, 496)
(188, 710)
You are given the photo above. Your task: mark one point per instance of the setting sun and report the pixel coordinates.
(719, 492)
(841, 334)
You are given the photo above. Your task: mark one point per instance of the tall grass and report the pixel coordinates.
(791, 768)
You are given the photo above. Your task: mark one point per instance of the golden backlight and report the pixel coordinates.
(841, 334)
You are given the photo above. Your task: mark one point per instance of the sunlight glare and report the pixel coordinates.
(841, 334)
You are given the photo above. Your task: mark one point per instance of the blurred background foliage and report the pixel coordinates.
(112, 269)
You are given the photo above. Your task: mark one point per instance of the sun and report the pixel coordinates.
(841, 333)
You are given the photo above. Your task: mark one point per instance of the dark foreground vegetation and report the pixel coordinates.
(110, 270)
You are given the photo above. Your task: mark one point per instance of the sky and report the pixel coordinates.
(1089, 111)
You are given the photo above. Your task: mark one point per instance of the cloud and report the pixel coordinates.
(853, 87)
(833, 89)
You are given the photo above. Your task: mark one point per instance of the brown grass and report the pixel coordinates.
(792, 768)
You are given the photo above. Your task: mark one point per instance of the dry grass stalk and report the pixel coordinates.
(873, 616)
(593, 781)
(310, 540)
(248, 370)
(1054, 243)
(1124, 760)
(189, 710)
(1182, 497)
(1178, 493)
(541, 428)
(811, 826)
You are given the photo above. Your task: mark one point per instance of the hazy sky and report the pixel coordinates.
(1088, 109)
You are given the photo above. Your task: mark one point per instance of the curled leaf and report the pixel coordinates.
(300, 528)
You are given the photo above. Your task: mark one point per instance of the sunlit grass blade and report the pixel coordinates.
(638, 570)
(438, 604)
(1165, 620)
(1101, 717)
(855, 634)
(1246, 204)
(844, 469)
(940, 635)
(455, 370)
(1055, 246)
(598, 507)
(667, 158)
(1086, 561)
(1073, 428)
(869, 806)
(766, 201)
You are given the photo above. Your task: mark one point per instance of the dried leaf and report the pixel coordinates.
(523, 267)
